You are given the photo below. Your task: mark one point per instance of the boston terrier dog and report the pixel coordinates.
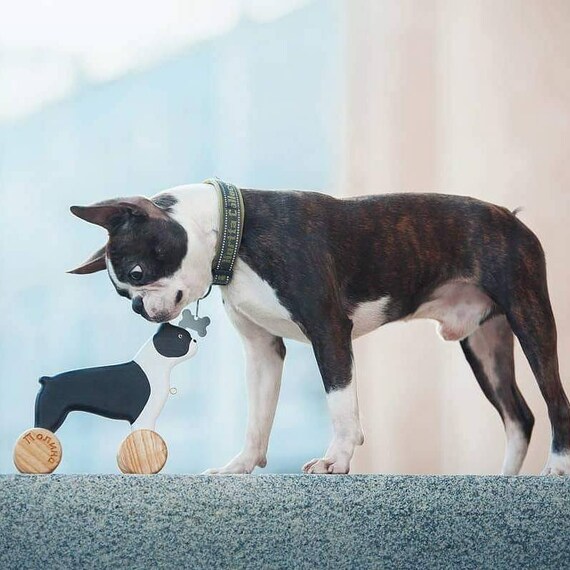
(323, 270)
(135, 391)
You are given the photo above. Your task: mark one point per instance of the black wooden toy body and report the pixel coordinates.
(119, 392)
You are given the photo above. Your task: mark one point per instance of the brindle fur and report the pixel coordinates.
(324, 256)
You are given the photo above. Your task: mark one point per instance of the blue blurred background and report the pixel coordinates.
(247, 91)
(124, 97)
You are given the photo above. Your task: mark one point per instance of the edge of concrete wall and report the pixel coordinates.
(283, 521)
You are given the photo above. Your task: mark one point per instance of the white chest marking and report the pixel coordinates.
(254, 298)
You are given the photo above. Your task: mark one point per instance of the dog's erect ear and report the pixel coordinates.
(95, 263)
(109, 213)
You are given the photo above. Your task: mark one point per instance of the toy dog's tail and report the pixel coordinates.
(51, 408)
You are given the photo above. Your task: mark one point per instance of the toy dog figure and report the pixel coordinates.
(135, 391)
(311, 267)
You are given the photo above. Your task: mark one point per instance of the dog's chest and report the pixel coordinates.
(252, 297)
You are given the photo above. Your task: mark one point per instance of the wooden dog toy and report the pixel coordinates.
(135, 391)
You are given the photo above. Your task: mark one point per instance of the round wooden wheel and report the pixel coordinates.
(142, 452)
(37, 451)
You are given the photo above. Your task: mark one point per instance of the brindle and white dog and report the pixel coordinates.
(325, 271)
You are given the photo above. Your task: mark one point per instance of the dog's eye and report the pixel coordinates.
(136, 273)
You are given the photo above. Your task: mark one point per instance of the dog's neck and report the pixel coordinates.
(197, 210)
(197, 205)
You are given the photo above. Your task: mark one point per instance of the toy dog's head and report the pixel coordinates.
(174, 342)
(150, 256)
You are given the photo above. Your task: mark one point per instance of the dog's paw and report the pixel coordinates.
(242, 464)
(325, 466)
(558, 464)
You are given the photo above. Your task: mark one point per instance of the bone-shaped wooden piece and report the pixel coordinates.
(198, 324)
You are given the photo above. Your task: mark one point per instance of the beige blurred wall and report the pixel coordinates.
(468, 97)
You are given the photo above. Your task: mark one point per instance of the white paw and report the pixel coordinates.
(241, 464)
(326, 466)
(558, 464)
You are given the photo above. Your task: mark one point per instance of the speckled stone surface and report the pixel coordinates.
(283, 521)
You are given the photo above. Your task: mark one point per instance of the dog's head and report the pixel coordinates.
(150, 256)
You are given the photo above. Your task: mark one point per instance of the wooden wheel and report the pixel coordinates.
(38, 451)
(142, 452)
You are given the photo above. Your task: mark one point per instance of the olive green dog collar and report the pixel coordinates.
(231, 229)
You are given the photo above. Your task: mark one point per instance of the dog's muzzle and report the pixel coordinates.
(138, 305)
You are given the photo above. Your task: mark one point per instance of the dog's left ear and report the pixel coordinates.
(109, 213)
(95, 263)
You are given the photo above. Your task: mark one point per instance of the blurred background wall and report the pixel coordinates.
(108, 101)
(473, 98)
(120, 98)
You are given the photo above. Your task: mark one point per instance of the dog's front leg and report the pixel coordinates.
(332, 345)
(264, 355)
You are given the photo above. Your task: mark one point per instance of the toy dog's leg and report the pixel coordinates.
(38, 450)
(264, 355)
(333, 351)
(489, 351)
(51, 407)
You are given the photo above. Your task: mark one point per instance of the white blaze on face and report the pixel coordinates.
(119, 284)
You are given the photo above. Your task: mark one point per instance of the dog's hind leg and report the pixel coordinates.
(521, 291)
(489, 351)
(532, 321)
(333, 351)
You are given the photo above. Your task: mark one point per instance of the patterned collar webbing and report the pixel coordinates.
(231, 229)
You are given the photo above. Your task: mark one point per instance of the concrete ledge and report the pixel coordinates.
(283, 521)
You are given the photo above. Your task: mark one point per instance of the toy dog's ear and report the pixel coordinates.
(95, 263)
(110, 213)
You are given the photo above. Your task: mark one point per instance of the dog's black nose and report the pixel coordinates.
(138, 306)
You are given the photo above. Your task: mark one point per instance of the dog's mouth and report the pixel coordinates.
(162, 317)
